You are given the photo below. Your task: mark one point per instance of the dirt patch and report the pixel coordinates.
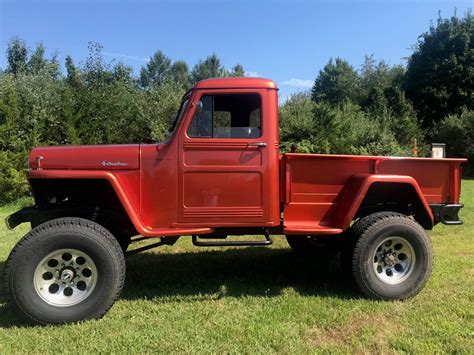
(464, 253)
(372, 330)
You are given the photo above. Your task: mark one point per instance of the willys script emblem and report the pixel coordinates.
(113, 163)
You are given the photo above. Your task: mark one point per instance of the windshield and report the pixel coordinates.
(182, 108)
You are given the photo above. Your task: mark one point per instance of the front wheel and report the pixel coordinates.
(392, 257)
(65, 270)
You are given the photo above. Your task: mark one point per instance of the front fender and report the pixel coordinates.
(24, 215)
(124, 183)
(37, 216)
(126, 186)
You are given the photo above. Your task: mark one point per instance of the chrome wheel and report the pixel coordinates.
(393, 260)
(65, 277)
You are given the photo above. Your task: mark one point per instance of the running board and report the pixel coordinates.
(245, 243)
(309, 228)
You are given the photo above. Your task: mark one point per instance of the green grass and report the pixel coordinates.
(189, 299)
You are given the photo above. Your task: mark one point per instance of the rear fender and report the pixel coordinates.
(356, 191)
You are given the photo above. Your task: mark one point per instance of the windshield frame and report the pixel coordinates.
(179, 116)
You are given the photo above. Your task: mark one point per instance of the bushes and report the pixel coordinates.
(159, 107)
(13, 183)
(353, 112)
(457, 131)
(344, 129)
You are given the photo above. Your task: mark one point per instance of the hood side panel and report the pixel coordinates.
(87, 157)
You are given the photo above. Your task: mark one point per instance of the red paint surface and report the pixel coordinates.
(192, 185)
(87, 157)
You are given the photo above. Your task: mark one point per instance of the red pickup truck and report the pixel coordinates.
(220, 173)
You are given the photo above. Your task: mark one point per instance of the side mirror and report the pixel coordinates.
(200, 107)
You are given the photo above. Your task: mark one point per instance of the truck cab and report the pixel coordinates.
(220, 166)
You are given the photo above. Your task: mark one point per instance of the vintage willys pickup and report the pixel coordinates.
(220, 173)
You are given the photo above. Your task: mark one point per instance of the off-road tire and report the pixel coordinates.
(124, 242)
(372, 230)
(79, 234)
(353, 234)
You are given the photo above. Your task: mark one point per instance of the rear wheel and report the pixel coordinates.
(65, 270)
(391, 257)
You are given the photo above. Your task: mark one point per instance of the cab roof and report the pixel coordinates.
(226, 83)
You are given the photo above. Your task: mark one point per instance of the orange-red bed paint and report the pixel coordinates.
(189, 185)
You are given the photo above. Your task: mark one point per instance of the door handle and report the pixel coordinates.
(257, 144)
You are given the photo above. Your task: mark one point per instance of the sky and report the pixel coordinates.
(287, 41)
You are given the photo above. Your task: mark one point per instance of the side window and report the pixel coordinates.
(228, 116)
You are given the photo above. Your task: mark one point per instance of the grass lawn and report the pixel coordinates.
(189, 299)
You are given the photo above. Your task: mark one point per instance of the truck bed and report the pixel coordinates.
(320, 191)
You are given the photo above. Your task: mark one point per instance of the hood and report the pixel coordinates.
(86, 157)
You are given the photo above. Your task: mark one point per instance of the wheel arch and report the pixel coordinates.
(367, 194)
(95, 199)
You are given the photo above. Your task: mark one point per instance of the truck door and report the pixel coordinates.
(223, 177)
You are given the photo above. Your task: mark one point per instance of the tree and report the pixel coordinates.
(237, 71)
(123, 73)
(17, 56)
(96, 71)
(37, 60)
(378, 82)
(13, 181)
(159, 107)
(297, 124)
(337, 129)
(180, 74)
(156, 71)
(440, 76)
(73, 76)
(457, 131)
(210, 67)
(336, 83)
(9, 115)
